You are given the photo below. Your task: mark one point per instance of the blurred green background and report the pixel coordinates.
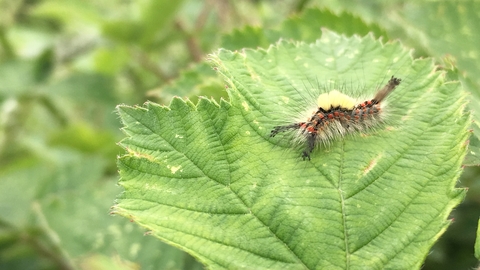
(66, 64)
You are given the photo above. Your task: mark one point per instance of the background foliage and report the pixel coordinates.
(64, 65)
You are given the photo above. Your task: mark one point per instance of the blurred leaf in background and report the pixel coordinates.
(65, 64)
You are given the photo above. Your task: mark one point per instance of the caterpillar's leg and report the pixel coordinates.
(311, 139)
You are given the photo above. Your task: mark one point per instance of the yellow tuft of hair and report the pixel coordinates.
(335, 99)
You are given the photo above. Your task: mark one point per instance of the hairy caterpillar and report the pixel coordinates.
(338, 115)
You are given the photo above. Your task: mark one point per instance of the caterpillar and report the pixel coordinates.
(338, 115)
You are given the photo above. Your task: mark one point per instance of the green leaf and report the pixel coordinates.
(306, 27)
(72, 13)
(456, 33)
(417, 24)
(122, 31)
(473, 154)
(86, 139)
(198, 80)
(17, 77)
(156, 16)
(64, 213)
(154, 23)
(208, 179)
(111, 60)
(477, 242)
(44, 65)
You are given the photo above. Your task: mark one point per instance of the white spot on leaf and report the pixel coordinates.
(174, 169)
(245, 106)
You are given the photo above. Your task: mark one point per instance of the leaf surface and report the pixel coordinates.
(208, 179)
